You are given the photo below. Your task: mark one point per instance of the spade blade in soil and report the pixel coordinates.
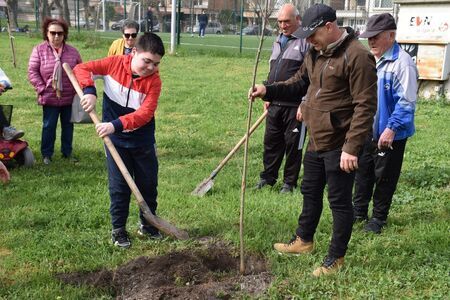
(203, 187)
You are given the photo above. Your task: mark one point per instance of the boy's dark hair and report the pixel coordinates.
(130, 24)
(150, 42)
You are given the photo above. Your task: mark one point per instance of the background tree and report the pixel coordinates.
(258, 6)
(226, 17)
(59, 7)
(12, 6)
(109, 15)
(66, 11)
(63, 9)
(86, 13)
(44, 9)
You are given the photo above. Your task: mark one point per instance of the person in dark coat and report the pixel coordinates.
(149, 18)
(202, 21)
(283, 131)
(340, 80)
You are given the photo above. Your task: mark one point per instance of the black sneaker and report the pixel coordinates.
(374, 225)
(287, 188)
(120, 238)
(151, 233)
(262, 183)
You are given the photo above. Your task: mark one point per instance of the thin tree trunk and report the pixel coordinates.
(58, 5)
(66, 12)
(12, 6)
(86, 13)
(44, 9)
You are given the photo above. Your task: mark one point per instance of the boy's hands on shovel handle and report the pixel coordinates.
(258, 91)
(104, 129)
(88, 102)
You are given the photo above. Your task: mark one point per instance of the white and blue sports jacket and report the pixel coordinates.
(397, 93)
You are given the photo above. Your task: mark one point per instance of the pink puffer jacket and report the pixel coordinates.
(40, 71)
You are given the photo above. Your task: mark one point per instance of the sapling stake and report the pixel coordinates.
(249, 120)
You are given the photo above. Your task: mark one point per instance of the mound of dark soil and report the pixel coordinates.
(207, 273)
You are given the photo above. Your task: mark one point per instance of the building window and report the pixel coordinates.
(383, 4)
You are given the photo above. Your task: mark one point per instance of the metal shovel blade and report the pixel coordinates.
(208, 183)
(203, 187)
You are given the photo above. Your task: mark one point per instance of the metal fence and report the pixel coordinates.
(225, 16)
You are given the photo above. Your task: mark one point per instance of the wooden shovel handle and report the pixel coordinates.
(237, 146)
(156, 221)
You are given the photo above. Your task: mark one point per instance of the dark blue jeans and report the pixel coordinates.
(380, 169)
(142, 165)
(322, 169)
(202, 28)
(49, 123)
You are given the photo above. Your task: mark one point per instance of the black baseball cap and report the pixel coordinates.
(316, 16)
(378, 24)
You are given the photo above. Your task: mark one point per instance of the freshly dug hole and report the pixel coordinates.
(207, 273)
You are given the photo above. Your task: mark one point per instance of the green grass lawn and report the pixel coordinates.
(55, 218)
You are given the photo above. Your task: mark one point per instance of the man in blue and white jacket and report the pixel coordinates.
(381, 161)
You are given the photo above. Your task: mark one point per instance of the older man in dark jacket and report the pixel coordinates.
(283, 131)
(341, 81)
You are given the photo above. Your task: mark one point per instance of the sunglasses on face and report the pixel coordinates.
(128, 35)
(56, 33)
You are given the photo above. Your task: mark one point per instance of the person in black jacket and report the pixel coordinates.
(283, 131)
(340, 79)
(149, 18)
(202, 21)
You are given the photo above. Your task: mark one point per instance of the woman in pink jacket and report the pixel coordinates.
(54, 90)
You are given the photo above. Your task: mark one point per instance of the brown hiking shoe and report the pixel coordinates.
(329, 266)
(295, 245)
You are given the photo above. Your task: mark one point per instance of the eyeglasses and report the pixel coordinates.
(128, 35)
(56, 33)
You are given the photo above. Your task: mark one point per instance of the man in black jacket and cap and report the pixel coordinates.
(340, 79)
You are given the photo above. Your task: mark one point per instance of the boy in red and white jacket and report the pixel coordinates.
(131, 90)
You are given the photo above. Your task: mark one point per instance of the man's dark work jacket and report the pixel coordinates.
(341, 97)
